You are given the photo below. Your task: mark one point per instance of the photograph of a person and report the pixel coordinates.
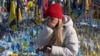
(49, 28)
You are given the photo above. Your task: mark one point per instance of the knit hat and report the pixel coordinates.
(55, 10)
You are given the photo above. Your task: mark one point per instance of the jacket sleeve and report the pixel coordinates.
(44, 34)
(70, 44)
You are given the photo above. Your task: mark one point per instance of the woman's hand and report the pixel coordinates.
(46, 49)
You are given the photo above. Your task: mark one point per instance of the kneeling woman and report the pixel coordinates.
(58, 37)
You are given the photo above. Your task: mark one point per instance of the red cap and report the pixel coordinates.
(55, 10)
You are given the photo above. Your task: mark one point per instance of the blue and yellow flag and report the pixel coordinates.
(29, 4)
(39, 3)
(12, 18)
(19, 11)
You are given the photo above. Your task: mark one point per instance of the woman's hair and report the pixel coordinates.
(57, 37)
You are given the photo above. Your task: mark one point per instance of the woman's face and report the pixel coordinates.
(52, 22)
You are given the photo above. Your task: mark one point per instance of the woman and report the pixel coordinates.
(58, 37)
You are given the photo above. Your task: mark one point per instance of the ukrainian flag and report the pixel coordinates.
(19, 11)
(19, 15)
(12, 18)
(29, 5)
